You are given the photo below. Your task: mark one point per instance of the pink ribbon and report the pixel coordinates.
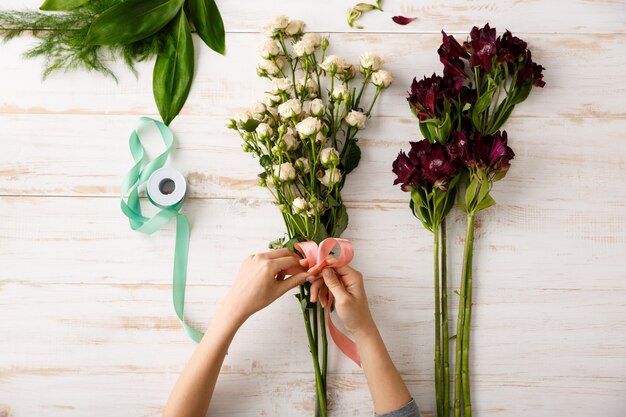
(316, 260)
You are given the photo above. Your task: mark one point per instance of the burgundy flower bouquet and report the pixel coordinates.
(463, 154)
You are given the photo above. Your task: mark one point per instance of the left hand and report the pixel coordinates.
(261, 280)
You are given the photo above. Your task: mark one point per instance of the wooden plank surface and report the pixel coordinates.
(87, 325)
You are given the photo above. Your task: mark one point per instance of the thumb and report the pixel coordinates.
(334, 285)
(293, 281)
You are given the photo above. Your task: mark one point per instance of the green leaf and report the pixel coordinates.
(251, 125)
(522, 92)
(173, 70)
(320, 233)
(424, 129)
(482, 105)
(62, 5)
(207, 19)
(485, 203)
(131, 21)
(470, 193)
(352, 158)
(265, 161)
(341, 221)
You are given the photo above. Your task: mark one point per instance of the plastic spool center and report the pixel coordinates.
(167, 186)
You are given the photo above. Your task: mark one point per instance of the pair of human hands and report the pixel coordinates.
(264, 277)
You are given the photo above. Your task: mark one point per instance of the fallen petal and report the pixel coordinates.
(403, 20)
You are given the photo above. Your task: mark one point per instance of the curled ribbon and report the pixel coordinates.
(316, 260)
(138, 177)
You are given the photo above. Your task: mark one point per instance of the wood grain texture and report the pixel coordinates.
(87, 324)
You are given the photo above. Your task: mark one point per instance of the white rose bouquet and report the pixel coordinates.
(304, 134)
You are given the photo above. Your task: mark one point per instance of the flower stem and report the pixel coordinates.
(324, 348)
(319, 389)
(444, 325)
(438, 384)
(467, 274)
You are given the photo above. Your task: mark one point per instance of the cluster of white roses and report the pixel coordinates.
(301, 133)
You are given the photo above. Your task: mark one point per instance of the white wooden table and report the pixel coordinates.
(86, 322)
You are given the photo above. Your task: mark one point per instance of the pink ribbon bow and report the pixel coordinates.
(316, 260)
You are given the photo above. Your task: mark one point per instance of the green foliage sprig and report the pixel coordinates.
(85, 34)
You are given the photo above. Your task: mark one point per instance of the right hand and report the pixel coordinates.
(346, 285)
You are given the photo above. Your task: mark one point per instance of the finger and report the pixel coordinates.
(292, 282)
(315, 290)
(294, 270)
(279, 253)
(283, 264)
(324, 296)
(334, 285)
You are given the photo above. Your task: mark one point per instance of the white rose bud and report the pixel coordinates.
(329, 157)
(275, 26)
(290, 108)
(285, 172)
(382, 78)
(300, 205)
(331, 177)
(258, 111)
(243, 118)
(309, 127)
(370, 62)
(271, 100)
(316, 107)
(269, 49)
(313, 38)
(333, 64)
(272, 68)
(280, 85)
(290, 142)
(339, 91)
(310, 87)
(303, 48)
(302, 164)
(294, 27)
(264, 130)
(356, 119)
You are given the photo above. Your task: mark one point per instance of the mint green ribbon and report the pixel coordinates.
(137, 178)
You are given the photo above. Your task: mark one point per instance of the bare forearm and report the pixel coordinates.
(385, 384)
(192, 393)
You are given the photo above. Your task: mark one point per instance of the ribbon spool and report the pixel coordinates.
(166, 189)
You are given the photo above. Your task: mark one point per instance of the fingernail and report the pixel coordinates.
(326, 272)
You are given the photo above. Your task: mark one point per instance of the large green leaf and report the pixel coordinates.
(173, 69)
(208, 22)
(341, 222)
(131, 21)
(62, 5)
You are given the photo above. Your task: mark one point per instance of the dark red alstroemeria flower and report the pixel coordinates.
(500, 154)
(510, 48)
(438, 167)
(531, 71)
(427, 95)
(458, 147)
(406, 171)
(451, 48)
(483, 46)
(489, 152)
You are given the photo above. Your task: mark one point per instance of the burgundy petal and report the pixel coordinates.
(403, 20)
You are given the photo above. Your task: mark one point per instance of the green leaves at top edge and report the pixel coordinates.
(131, 21)
(208, 22)
(62, 5)
(173, 69)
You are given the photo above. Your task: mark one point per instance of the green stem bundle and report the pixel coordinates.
(462, 394)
